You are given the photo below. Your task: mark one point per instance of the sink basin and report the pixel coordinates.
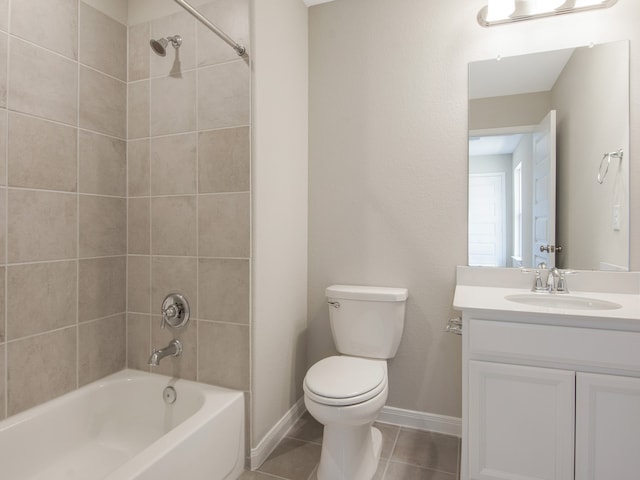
(562, 301)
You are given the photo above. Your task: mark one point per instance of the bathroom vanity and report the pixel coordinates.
(551, 382)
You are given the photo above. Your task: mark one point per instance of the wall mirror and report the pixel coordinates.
(549, 159)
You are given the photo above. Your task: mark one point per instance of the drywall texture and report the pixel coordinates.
(508, 111)
(279, 209)
(592, 119)
(388, 162)
(63, 200)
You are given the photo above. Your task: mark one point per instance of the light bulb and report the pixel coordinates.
(500, 9)
(543, 6)
(587, 3)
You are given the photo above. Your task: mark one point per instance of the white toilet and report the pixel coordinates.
(346, 393)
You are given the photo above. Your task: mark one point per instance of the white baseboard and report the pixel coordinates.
(270, 441)
(421, 421)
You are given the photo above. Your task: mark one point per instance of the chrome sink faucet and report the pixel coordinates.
(173, 349)
(555, 281)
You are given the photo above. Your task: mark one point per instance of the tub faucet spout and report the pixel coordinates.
(174, 349)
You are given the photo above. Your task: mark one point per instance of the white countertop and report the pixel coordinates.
(493, 299)
(483, 292)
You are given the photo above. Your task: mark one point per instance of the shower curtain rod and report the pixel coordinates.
(240, 49)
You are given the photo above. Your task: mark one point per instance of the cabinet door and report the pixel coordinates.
(521, 422)
(607, 427)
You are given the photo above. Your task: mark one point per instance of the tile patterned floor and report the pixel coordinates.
(406, 455)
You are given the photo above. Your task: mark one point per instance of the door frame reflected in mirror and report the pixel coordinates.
(586, 228)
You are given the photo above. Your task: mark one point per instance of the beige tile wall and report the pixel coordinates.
(98, 191)
(63, 205)
(189, 195)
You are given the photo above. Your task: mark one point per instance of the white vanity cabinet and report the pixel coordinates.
(545, 401)
(521, 422)
(607, 427)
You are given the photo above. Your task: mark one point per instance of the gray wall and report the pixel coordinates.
(279, 210)
(592, 120)
(388, 161)
(509, 110)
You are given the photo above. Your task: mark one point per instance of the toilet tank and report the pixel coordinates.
(367, 321)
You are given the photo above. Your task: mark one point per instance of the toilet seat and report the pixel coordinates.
(343, 380)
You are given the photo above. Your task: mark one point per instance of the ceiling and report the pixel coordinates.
(310, 3)
(494, 144)
(536, 72)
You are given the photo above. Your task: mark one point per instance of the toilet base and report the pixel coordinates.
(349, 452)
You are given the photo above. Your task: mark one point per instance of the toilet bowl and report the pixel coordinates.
(346, 394)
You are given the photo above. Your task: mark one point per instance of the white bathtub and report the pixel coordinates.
(120, 428)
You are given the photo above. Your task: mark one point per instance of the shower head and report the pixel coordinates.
(160, 46)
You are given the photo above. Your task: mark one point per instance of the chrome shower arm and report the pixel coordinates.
(240, 49)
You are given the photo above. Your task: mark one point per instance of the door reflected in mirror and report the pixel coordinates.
(540, 126)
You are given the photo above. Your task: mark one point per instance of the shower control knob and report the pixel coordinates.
(175, 311)
(171, 312)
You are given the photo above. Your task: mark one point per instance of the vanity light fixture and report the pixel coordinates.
(499, 9)
(497, 12)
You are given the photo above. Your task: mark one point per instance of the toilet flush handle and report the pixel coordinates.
(334, 304)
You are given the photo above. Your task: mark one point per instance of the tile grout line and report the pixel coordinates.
(197, 212)
(251, 228)
(62, 124)
(78, 197)
(147, 129)
(5, 230)
(165, 135)
(313, 472)
(126, 190)
(63, 260)
(63, 56)
(393, 448)
(424, 467)
(188, 70)
(66, 192)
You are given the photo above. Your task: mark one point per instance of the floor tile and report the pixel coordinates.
(307, 429)
(379, 475)
(403, 471)
(292, 459)
(427, 449)
(257, 476)
(389, 437)
(407, 454)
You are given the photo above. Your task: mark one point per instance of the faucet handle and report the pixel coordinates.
(169, 314)
(538, 286)
(175, 311)
(540, 266)
(561, 287)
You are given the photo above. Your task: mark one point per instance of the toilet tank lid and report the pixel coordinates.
(375, 294)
